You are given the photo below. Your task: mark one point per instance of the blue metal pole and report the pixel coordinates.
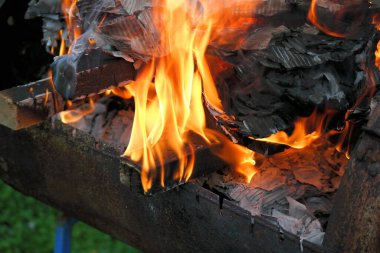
(63, 235)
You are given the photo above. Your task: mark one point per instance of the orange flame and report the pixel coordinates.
(306, 131)
(238, 157)
(62, 49)
(69, 10)
(171, 107)
(313, 17)
(377, 55)
(75, 115)
(376, 22)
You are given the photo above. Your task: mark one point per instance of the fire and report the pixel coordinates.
(69, 11)
(170, 108)
(71, 116)
(306, 130)
(170, 91)
(298, 139)
(377, 55)
(376, 22)
(313, 17)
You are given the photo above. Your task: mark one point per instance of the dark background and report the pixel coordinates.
(23, 57)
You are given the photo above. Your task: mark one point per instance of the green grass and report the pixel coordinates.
(28, 226)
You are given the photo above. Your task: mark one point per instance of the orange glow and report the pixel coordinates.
(312, 16)
(75, 115)
(62, 49)
(69, 103)
(122, 92)
(377, 55)
(238, 157)
(344, 136)
(54, 92)
(309, 129)
(376, 22)
(46, 99)
(170, 108)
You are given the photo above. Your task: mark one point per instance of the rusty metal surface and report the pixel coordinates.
(354, 225)
(75, 173)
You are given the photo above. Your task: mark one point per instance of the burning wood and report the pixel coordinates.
(272, 75)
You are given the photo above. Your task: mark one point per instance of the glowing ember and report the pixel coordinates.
(376, 22)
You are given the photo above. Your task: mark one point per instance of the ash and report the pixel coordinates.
(110, 122)
(294, 189)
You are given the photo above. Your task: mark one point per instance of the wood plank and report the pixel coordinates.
(25, 105)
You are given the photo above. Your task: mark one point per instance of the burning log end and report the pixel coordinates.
(75, 75)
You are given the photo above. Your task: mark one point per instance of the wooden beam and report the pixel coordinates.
(354, 225)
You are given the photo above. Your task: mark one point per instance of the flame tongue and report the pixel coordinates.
(171, 107)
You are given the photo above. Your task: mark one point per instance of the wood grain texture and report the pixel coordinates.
(25, 105)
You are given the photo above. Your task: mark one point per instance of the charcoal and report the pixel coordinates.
(293, 74)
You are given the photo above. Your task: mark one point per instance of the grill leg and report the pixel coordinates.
(63, 234)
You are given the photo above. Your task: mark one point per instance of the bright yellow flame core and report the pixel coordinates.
(171, 107)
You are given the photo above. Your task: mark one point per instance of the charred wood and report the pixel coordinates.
(76, 75)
